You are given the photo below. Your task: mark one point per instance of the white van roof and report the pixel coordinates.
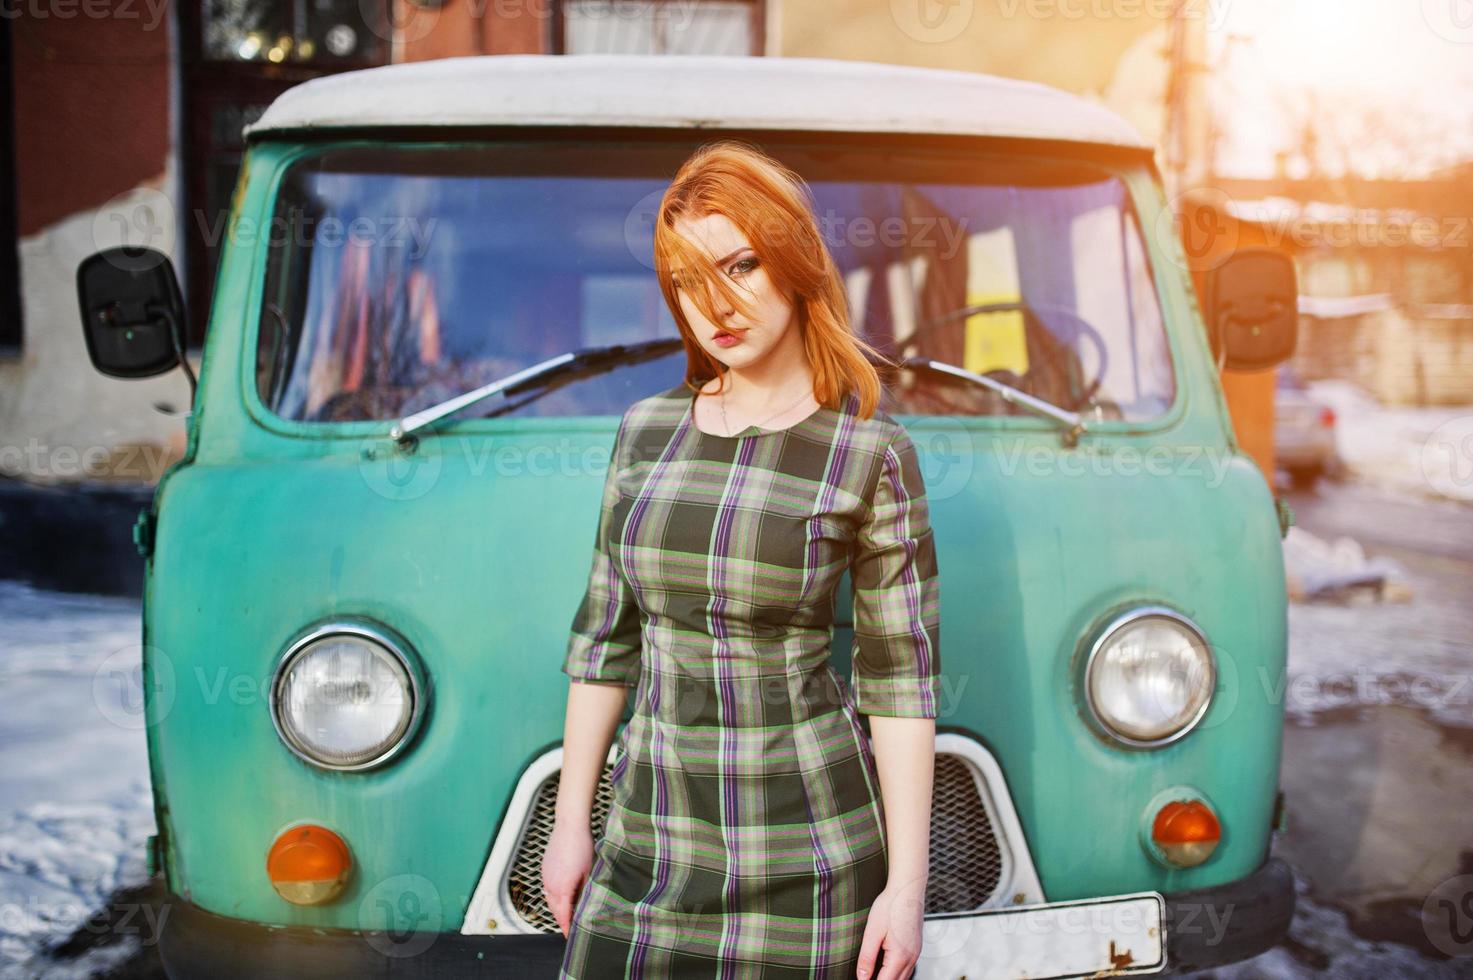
(693, 91)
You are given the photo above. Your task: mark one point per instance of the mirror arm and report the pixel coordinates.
(176, 334)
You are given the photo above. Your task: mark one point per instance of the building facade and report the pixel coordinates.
(120, 124)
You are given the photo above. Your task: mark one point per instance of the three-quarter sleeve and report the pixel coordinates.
(604, 642)
(897, 607)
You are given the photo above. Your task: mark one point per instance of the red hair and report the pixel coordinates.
(772, 206)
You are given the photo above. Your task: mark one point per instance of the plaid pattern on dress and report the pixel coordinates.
(746, 835)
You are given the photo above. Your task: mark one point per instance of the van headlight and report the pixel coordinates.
(1149, 677)
(346, 696)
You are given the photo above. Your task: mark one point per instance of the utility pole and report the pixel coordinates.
(1187, 143)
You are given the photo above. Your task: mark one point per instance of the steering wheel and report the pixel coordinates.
(1031, 322)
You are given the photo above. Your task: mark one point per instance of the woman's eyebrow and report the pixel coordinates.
(733, 255)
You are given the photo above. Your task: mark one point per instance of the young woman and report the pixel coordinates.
(754, 830)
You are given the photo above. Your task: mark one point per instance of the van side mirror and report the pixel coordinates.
(132, 312)
(1252, 309)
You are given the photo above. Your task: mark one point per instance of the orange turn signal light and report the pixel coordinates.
(309, 865)
(1186, 831)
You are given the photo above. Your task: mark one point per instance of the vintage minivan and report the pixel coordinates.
(435, 300)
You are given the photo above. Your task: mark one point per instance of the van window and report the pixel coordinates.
(399, 276)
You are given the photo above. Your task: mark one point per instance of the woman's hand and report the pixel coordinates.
(895, 923)
(593, 713)
(565, 867)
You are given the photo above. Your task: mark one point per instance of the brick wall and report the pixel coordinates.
(1399, 359)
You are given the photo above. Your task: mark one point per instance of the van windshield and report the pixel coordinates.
(400, 276)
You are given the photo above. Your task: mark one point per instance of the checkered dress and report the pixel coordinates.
(746, 836)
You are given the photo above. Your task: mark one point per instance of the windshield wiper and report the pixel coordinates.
(578, 363)
(1072, 422)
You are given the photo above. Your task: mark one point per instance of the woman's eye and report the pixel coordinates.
(745, 265)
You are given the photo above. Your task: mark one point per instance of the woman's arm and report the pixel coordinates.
(905, 754)
(602, 661)
(897, 640)
(588, 731)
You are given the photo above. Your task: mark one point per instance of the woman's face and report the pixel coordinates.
(734, 340)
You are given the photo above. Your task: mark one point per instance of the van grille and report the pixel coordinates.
(524, 882)
(966, 860)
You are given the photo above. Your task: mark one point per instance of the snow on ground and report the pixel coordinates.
(1418, 452)
(1321, 944)
(1414, 653)
(1349, 648)
(1415, 644)
(76, 809)
(75, 804)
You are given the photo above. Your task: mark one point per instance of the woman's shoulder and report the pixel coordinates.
(662, 409)
(874, 435)
(648, 423)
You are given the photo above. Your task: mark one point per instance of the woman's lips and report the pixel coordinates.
(724, 339)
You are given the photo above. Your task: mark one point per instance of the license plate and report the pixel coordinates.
(1120, 934)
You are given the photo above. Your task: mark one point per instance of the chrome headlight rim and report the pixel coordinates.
(397, 647)
(1113, 626)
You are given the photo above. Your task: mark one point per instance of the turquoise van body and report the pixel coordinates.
(465, 550)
